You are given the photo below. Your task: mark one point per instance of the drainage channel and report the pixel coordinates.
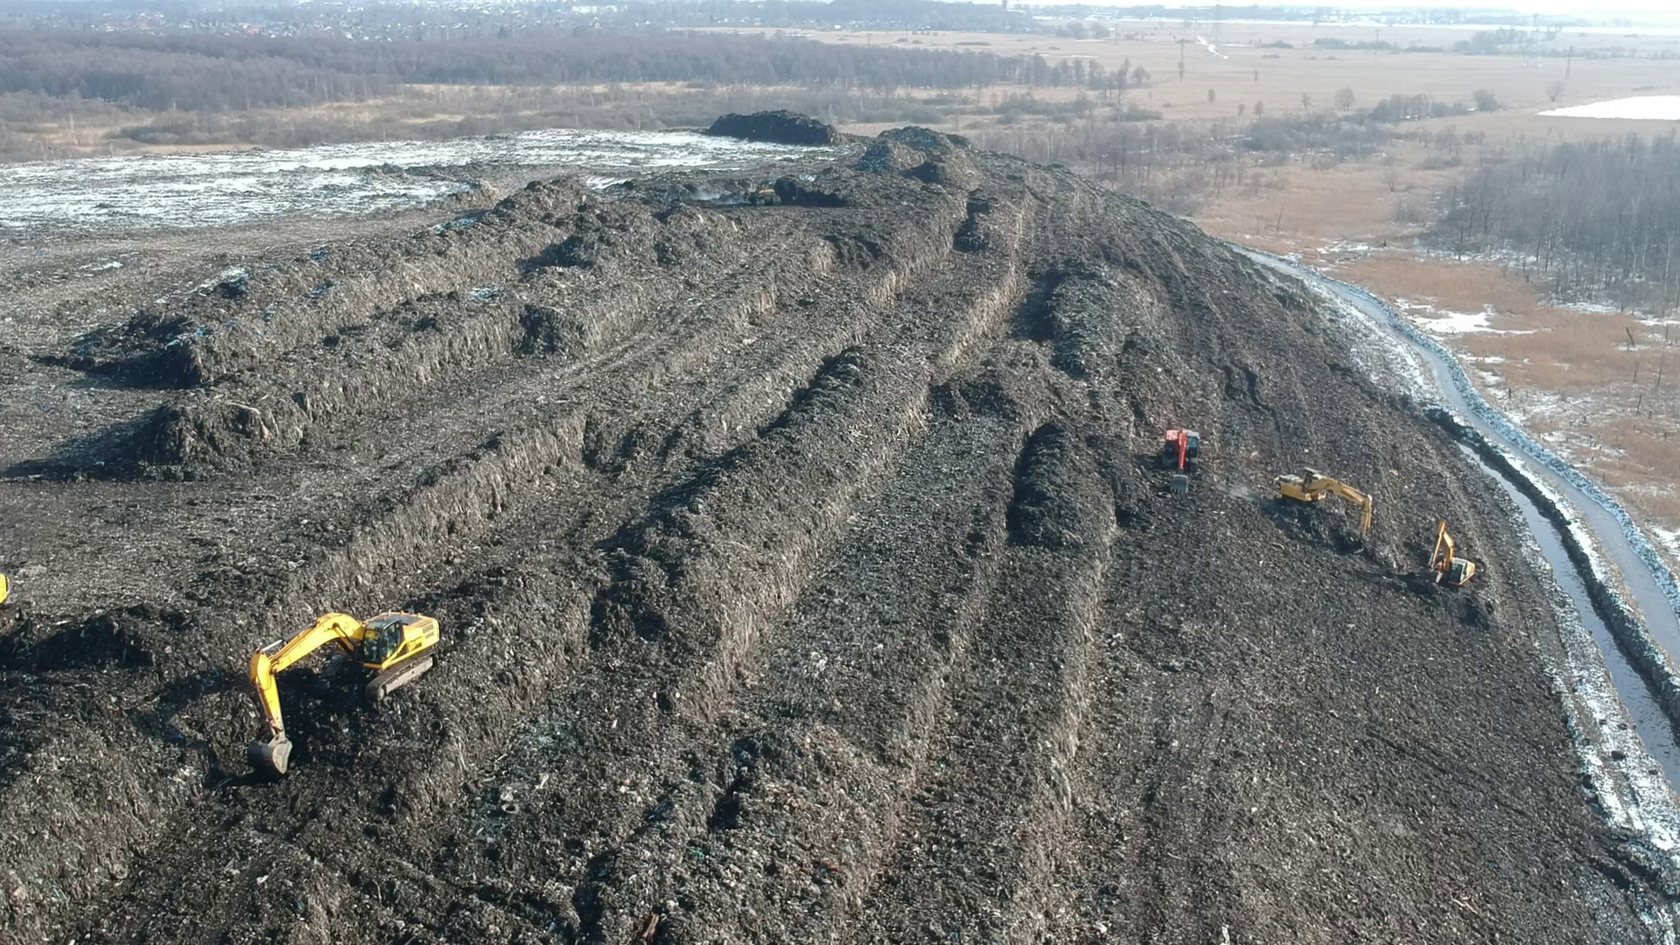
(1643, 580)
(1649, 720)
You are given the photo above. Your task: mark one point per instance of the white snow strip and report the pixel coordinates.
(218, 189)
(1211, 48)
(1443, 321)
(1639, 107)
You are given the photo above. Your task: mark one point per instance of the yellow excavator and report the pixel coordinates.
(1457, 571)
(5, 588)
(395, 646)
(1315, 485)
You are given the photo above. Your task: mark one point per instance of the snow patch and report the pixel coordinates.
(219, 189)
(1669, 538)
(1639, 108)
(1211, 48)
(1443, 321)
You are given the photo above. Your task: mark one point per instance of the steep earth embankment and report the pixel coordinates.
(806, 575)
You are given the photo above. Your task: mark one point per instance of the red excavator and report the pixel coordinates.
(1177, 450)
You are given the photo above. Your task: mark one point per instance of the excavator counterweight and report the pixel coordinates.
(395, 646)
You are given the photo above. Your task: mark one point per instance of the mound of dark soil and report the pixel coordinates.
(807, 573)
(777, 127)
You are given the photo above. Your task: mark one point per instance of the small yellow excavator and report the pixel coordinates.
(1457, 571)
(395, 646)
(1315, 485)
(5, 588)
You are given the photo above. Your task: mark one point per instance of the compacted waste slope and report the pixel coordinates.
(806, 574)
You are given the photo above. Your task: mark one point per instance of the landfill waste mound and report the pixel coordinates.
(778, 127)
(807, 572)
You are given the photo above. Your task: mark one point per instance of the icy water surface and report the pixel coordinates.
(1642, 107)
(186, 190)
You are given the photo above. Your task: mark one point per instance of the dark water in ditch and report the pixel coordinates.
(1652, 725)
(1660, 618)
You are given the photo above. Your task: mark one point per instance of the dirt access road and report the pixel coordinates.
(806, 575)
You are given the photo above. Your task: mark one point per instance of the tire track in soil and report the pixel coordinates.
(997, 787)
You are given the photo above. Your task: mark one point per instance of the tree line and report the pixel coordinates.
(199, 72)
(1601, 219)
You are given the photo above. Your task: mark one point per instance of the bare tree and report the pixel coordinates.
(1306, 102)
(1212, 96)
(1391, 172)
(1554, 90)
(1344, 98)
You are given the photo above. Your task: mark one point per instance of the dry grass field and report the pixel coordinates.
(1242, 71)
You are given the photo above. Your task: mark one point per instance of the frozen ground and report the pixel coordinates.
(1647, 107)
(188, 190)
(1441, 321)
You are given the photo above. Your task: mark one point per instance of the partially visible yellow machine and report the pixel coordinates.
(1457, 571)
(1315, 485)
(396, 646)
(5, 588)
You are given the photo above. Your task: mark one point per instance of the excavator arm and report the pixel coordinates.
(1315, 485)
(344, 630)
(1442, 541)
(1367, 505)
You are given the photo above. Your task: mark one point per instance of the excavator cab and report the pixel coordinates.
(384, 639)
(1179, 446)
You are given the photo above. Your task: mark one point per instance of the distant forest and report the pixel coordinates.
(212, 73)
(1600, 219)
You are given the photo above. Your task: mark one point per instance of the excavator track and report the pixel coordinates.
(396, 677)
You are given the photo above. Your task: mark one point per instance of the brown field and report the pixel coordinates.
(1279, 77)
